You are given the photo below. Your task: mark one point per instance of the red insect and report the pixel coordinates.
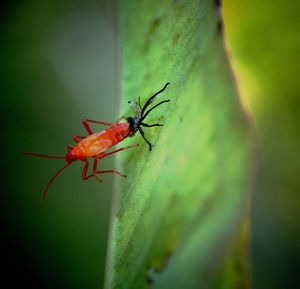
(95, 145)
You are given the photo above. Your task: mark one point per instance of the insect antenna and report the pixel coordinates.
(44, 156)
(152, 97)
(44, 194)
(139, 99)
(144, 116)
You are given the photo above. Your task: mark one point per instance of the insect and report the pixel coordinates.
(95, 145)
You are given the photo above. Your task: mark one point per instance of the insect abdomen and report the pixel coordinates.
(118, 132)
(101, 141)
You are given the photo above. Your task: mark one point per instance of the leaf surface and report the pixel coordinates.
(182, 205)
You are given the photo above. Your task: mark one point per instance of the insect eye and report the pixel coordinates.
(132, 122)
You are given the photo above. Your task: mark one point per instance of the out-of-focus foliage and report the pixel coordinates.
(264, 39)
(57, 68)
(182, 205)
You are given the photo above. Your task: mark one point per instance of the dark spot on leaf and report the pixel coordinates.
(218, 3)
(153, 28)
(147, 77)
(149, 277)
(153, 270)
(220, 26)
(175, 38)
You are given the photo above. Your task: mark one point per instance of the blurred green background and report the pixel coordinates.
(264, 39)
(58, 61)
(59, 65)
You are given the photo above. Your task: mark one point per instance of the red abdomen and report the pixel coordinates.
(101, 141)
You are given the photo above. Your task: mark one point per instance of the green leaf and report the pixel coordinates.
(177, 216)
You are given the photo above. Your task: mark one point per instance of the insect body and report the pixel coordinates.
(95, 145)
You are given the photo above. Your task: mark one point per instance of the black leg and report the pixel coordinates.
(150, 125)
(142, 133)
